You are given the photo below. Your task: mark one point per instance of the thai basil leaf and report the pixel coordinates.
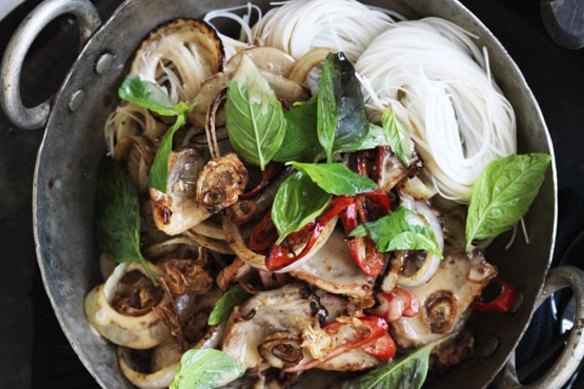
(408, 372)
(159, 169)
(301, 139)
(297, 202)
(336, 178)
(375, 137)
(254, 115)
(205, 369)
(395, 138)
(223, 308)
(400, 230)
(342, 121)
(503, 193)
(150, 96)
(118, 214)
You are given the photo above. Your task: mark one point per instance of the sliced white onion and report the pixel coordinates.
(138, 332)
(432, 261)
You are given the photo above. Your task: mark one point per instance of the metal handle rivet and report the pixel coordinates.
(104, 62)
(76, 100)
(490, 348)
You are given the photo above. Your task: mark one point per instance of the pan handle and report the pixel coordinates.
(567, 363)
(24, 36)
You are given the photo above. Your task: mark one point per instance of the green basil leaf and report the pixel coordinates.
(503, 193)
(297, 202)
(301, 139)
(159, 169)
(254, 117)
(205, 369)
(336, 178)
(375, 137)
(342, 123)
(117, 214)
(408, 372)
(400, 230)
(395, 138)
(223, 308)
(146, 94)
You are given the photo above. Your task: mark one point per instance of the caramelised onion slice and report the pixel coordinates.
(179, 56)
(307, 62)
(269, 59)
(139, 332)
(162, 376)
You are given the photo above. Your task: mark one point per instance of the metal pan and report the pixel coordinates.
(73, 145)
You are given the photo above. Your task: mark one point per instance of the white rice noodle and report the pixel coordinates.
(301, 25)
(129, 119)
(231, 45)
(438, 83)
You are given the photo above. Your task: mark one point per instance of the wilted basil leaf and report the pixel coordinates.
(400, 230)
(301, 139)
(336, 178)
(159, 170)
(223, 308)
(342, 121)
(255, 120)
(205, 369)
(117, 214)
(150, 96)
(297, 202)
(503, 193)
(395, 138)
(408, 372)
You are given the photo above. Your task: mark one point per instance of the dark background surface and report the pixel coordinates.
(33, 350)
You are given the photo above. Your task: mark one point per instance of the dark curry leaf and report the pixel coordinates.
(118, 214)
(341, 118)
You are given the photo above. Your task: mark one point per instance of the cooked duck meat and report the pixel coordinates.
(444, 299)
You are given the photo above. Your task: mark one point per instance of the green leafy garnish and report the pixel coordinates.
(254, 117)
(400, 230)
(301, 139)
(297, 202)
(205, 369)
(223, 308)
(408, 372)
(342, 123)
(118, 214)
(336, 178)
(394, 137)
(150, 96)
(159, 170)
(503, 193)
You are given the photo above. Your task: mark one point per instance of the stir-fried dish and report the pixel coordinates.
(313, 197)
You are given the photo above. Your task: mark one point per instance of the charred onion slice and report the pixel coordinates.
(268, 59)
(203, 100)
(181, 55)
(307, 62)
(176, 211)
(138, 332)
(221, 182)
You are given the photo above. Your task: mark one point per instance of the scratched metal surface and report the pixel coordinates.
(555, 75)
